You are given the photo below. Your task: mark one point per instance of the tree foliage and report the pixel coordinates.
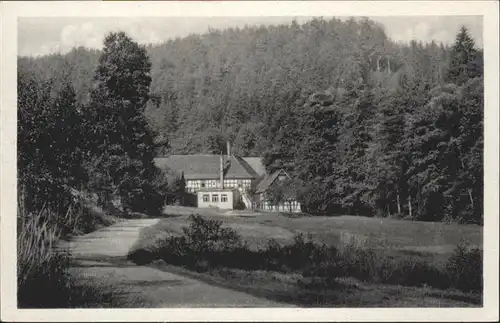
(49, 141)
(368, 126)
(124, 143)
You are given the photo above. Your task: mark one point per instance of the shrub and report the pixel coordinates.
(272, 254)
(206, 245)
(87, 218)
(360, 263)
(207, 235)
(327, 270)
(149, 247)
(301, 253)
(465, 268)
(411, 272)
(177, 251)
(39, 268)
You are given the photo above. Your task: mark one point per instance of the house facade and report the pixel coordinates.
(262, 199)
(223, 181)
(204, 171)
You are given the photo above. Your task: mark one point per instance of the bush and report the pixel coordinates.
(87, 218)
(39, 268)
(411, 272)
(465, 268)
(207, 235)
(206, 245)
(301, 253)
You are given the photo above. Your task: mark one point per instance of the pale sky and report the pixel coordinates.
(40, 36)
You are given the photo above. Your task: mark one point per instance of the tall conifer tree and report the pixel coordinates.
(123, 143)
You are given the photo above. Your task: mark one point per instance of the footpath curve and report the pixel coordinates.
(101, 257)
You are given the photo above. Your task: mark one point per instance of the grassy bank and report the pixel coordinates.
(304, 265)
(348, 292)
(42, 277)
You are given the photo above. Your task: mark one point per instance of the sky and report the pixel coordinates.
(41, 36)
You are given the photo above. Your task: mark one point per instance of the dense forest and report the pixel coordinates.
(367, 126)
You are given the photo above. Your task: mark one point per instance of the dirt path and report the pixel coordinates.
(101, 256)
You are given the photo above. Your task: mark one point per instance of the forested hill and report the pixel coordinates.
(239, 82)
(367, 125)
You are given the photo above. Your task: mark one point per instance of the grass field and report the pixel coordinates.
(434, 240)
(396, 239)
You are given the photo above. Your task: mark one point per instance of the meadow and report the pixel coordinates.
(321, 261)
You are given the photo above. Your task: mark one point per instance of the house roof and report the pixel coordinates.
(206, 166)
(268, 180)
(248, 168)
(256, 164)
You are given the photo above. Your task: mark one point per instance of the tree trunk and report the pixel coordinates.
(469, 191)
(470, 197)
(399, 203)
(409, 205)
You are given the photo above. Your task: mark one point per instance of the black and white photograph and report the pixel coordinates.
(294, 161)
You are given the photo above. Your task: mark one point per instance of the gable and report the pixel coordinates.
(256, 164)
(270, 179)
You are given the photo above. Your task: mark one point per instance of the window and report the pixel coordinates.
(223, 198)
(206, 197)
(202, 184)
(215, 198)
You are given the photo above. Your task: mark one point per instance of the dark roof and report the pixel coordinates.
(206, 166)
(249, 169)
(256, 164)
(268, 180)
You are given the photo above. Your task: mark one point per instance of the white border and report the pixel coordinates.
(10, 11)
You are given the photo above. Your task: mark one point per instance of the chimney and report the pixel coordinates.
(221, 171)
(228, 148)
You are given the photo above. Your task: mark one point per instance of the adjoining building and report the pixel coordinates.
(262, 200)
(227, 199)
(223, 181)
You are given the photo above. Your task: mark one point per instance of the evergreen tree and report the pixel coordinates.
(124, 144)
(316, 156)
(355, 138)
(388, 156)
(463, 59)
(50, 144)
